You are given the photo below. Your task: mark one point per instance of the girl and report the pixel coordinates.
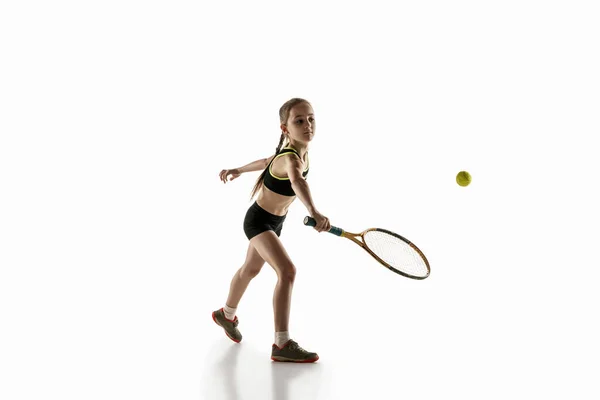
(282, 180)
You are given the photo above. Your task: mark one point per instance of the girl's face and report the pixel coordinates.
(301, 124)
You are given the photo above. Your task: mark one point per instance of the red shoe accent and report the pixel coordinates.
(285, 344)
(230, 320)
(213, 317)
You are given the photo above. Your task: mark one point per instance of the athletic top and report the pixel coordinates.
(282, 185)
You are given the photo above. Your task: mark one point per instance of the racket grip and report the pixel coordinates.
(309, 221)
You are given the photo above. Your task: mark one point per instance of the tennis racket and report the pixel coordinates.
(391, 250)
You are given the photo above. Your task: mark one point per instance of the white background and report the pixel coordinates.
(117, 240)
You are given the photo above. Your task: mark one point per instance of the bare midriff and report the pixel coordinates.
(274, 203)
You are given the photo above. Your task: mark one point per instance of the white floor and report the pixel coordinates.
(245, 372)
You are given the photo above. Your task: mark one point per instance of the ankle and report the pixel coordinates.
(281, 338)
(229, 312)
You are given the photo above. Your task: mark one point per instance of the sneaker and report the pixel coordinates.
(229, 326)
(291, 352)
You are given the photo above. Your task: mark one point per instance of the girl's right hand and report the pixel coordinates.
(322, 222)
(224, 174)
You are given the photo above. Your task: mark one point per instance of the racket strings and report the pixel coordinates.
(396, 252)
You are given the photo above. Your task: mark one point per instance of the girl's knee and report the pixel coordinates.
(288, 273)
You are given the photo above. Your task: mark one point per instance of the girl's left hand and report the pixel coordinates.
(224, 174)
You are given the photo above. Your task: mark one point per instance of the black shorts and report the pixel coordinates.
(258, 221)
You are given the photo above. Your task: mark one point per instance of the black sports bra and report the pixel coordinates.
(282, 185)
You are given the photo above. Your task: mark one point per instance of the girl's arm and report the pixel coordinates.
(257, 165)
(294, 167)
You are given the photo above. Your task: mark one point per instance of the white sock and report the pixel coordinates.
(229, 312)
(281, 338)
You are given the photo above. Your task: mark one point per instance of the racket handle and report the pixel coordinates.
(309, 221)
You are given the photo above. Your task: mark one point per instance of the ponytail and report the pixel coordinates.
(259, 182)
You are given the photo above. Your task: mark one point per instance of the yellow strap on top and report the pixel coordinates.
(285, 154)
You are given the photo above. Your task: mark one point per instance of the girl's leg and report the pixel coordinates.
(251, 267)
(271, 250)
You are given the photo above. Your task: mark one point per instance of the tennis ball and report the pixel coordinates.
(463, 178)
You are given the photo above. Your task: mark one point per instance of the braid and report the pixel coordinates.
(259, 183)
(280, 143)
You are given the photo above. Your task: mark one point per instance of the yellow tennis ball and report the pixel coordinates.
(463, 178)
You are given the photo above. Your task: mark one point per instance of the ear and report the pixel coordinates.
(283, 128)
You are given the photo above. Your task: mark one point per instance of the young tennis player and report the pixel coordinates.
(282, 180)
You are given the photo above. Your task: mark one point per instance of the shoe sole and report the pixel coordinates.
(217, 322)
(285, 359)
